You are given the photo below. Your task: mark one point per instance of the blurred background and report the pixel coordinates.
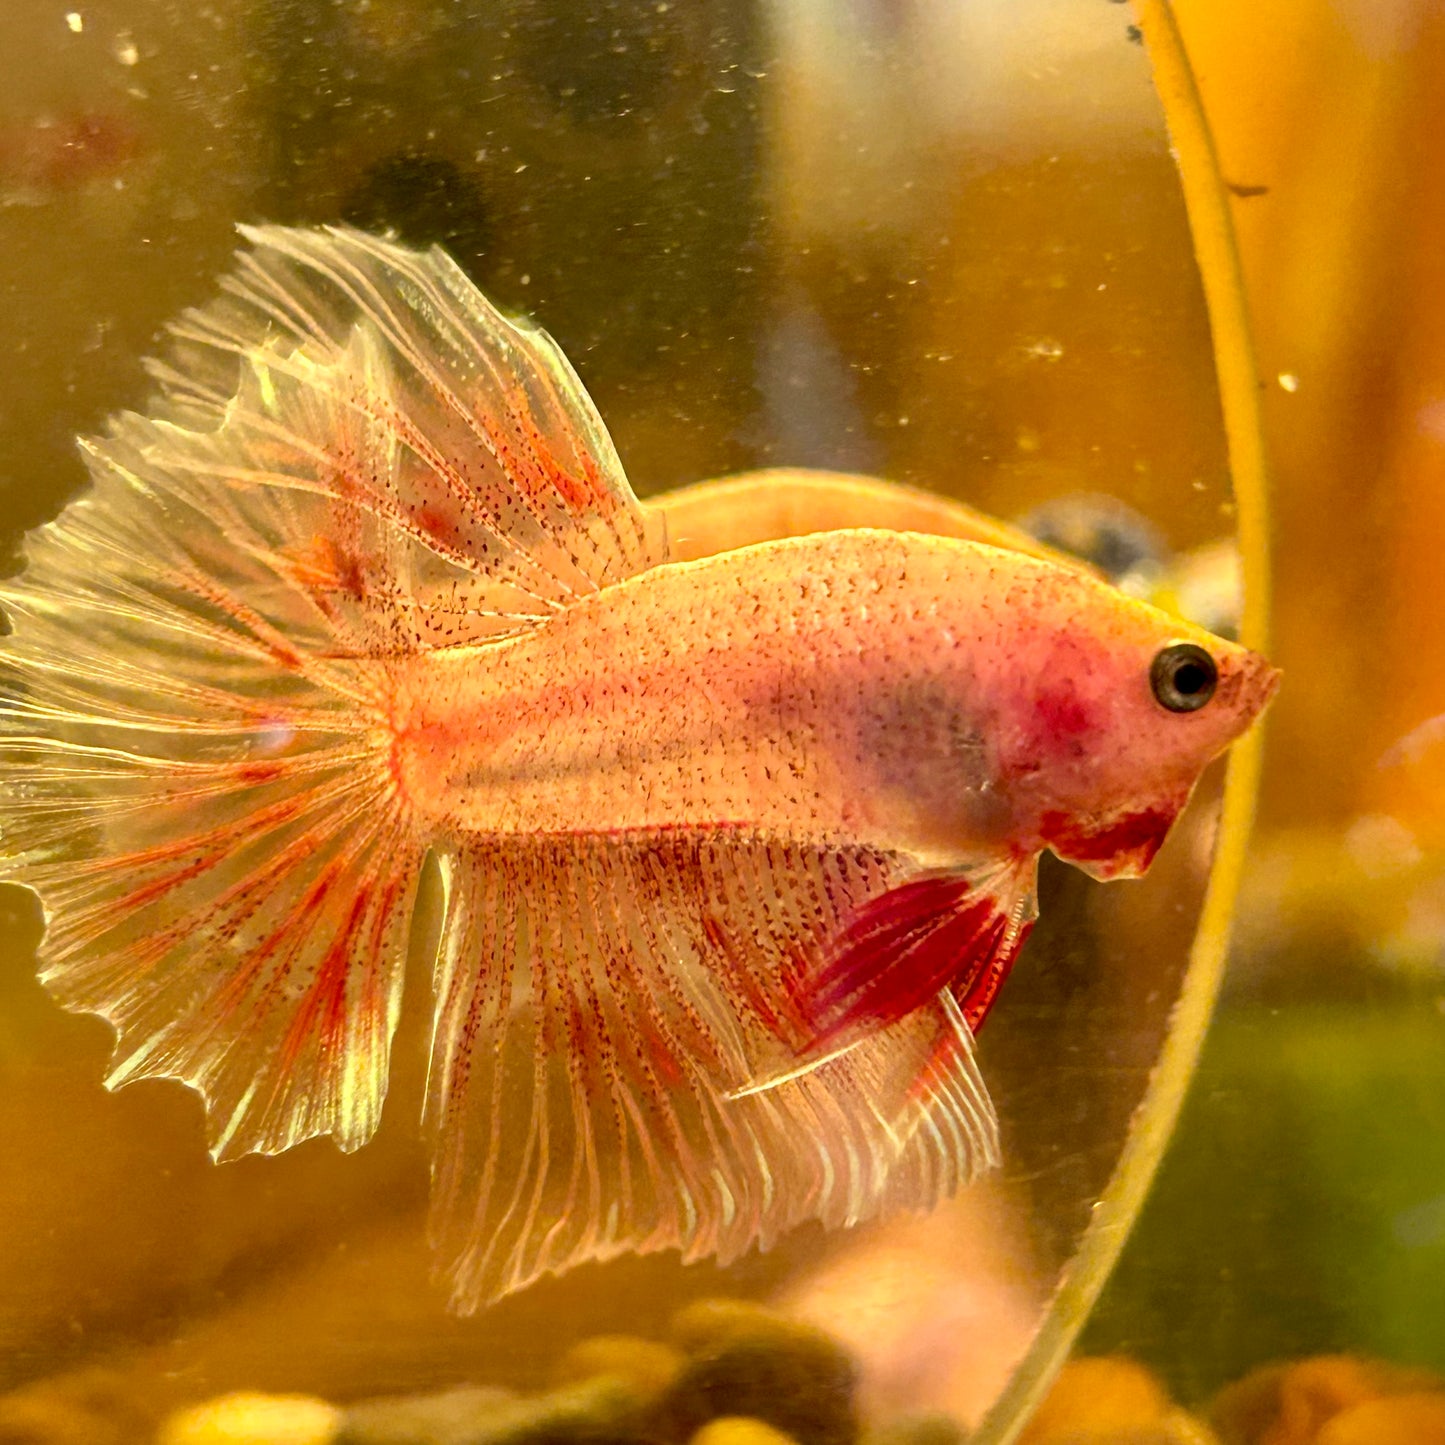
(1302, 1205)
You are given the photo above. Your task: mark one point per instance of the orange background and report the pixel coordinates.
(1335, 114)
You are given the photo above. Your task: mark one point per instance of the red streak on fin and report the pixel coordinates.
(907, 945)
(434, 522)
(321, 565)
(601, 494)
(323, 1010)
(977, 993)
(252, 774)
(577, 496)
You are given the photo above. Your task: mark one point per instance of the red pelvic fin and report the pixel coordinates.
(947, 930)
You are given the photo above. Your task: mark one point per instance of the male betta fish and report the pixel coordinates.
(736, 851)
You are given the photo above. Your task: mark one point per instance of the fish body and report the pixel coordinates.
(737, 851)
(901, 691)
(741, 691)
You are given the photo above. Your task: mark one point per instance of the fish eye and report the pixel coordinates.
(1183, 677)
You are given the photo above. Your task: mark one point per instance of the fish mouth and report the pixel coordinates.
(1247, 688)
(1265, 680)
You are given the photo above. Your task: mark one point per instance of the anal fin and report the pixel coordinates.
(602, 1004)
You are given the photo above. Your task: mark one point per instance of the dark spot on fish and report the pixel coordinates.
(1244, 192)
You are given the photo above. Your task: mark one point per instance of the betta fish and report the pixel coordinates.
(736, 851)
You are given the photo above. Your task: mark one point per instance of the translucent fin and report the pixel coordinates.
(750, 507)
(207, 817)
(353, 457)
(418, 468)
(602, 1003)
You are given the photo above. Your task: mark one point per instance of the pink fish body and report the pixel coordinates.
(737, 851)
(896, 690)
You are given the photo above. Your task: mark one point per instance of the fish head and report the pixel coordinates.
(1116, 710)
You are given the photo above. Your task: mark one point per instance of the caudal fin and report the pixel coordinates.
(205, 810)
(352, 458)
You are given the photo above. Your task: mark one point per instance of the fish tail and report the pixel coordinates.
(352, 458)
(195, 779)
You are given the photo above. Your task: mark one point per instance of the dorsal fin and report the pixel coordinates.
(419, 468)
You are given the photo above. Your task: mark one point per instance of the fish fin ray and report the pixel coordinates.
(194, 756)
(402, 465)
(242, 924)
(920, 1078)
(205, 811)
(600, 1003)
(956, 929)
